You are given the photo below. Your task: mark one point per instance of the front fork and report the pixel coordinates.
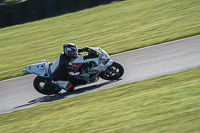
(108, 69)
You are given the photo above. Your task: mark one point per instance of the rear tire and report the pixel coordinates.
(113, 72)
(44, 86)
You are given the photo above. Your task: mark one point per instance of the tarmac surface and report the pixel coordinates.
(140, 64)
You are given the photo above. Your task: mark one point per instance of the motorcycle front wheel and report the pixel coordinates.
(113, 72)
(44, 86)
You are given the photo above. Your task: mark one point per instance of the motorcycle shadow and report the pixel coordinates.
(59, 96)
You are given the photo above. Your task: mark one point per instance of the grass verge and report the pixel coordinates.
(167, 104)
(115, 27)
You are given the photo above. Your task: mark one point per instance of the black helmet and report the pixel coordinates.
(70, 50)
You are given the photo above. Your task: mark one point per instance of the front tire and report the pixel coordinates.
(113, 72)
(44, 86)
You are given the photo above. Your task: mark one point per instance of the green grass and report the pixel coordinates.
(167, 104)
(115, 27)
(11, 1)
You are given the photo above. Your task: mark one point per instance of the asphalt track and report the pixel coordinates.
(140, 64)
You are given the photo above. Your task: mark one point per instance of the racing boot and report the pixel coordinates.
(68, 86)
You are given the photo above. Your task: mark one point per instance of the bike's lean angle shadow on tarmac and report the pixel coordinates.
(59, 96)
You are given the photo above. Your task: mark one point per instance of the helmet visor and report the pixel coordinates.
(74, 52)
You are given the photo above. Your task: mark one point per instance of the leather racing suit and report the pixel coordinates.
(61, 71)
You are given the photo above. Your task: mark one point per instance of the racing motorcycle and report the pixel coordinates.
(93, 67)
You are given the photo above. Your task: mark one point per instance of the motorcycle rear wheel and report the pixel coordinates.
(113, 72)
(44, 86)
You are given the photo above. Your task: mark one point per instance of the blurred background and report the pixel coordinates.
(20, 11)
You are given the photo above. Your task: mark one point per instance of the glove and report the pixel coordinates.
(87, 49)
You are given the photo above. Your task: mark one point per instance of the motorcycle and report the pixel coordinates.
(93, 68)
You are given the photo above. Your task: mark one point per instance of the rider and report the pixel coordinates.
(61, 71)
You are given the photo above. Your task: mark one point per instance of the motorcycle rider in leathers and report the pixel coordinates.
(61, 71)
